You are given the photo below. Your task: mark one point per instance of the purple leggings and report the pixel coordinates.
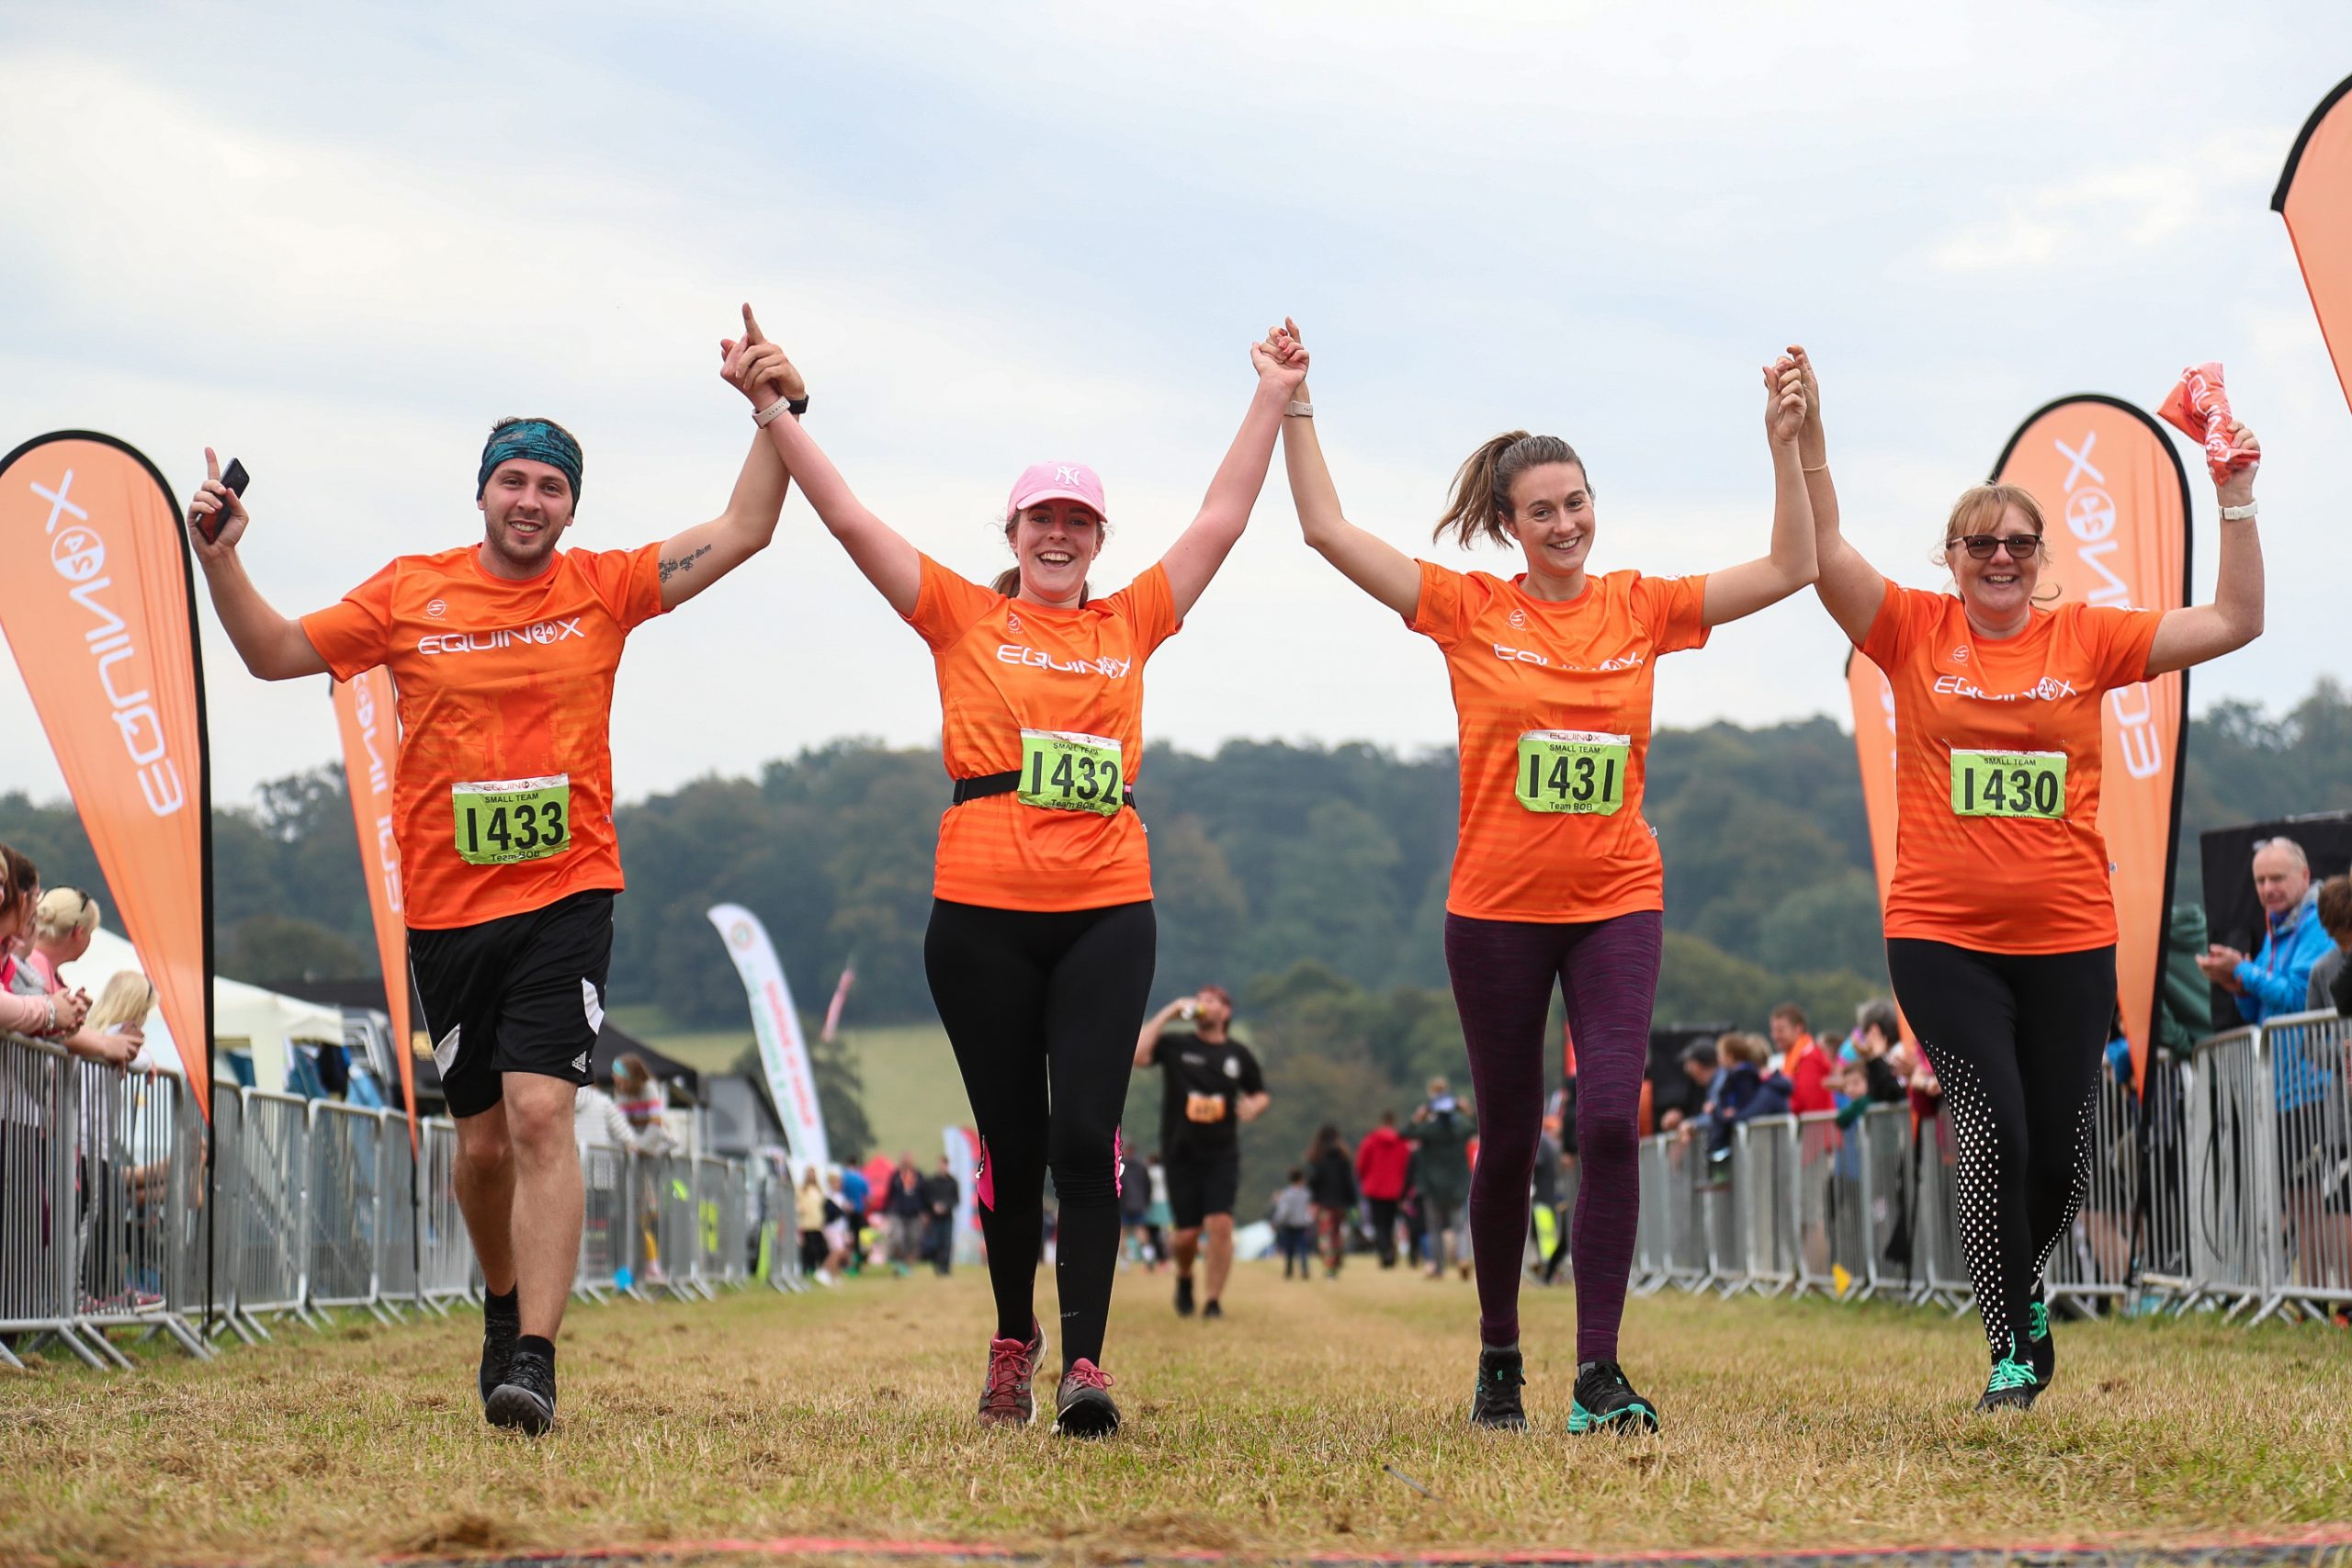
(1503, 973)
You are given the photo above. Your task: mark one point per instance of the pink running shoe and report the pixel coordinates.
(1083, 1406)
(1006, 1399)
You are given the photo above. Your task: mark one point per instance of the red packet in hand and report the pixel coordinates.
(2200, 409)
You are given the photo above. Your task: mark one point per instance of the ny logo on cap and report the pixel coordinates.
(1065, 474)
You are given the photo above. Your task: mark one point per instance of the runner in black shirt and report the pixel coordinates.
(1209, 1085)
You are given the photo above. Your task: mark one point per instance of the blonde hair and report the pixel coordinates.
(1979, 510)
(1738, 1047)
(63, 911)
(126, 1000)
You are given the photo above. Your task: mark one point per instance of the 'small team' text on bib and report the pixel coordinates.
(1055, 695)
(502, 799)
(1552, 703)
(1997, 756)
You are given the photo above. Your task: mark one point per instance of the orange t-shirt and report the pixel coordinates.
(2017, 883)
(505, 684)
(1006, 667)
(1553, 705)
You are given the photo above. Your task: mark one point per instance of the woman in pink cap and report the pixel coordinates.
(1041, 940)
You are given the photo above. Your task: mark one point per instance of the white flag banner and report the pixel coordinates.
(962, 1149)
(783, 1053)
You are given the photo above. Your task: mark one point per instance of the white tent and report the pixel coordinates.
(244, 1017)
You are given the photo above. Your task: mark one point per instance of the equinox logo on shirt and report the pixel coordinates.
(1013, 653)
(1529, 656)
(538, 634)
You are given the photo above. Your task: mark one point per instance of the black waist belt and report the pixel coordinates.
(1005, 783)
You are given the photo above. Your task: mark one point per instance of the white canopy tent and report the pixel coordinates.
(244, 1016)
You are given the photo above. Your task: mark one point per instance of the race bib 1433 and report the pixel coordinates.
(504, 821)
(1573, 769)
(2009, 783)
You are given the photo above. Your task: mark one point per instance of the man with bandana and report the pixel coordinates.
(504, 652)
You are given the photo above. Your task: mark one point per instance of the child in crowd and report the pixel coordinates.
(1294, 1218)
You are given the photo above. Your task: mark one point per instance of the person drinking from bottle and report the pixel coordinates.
(1556, 877)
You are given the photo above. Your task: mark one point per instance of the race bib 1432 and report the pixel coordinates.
(1064, 771)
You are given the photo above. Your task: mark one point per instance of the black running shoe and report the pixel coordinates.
(1083, 1406)
(1183, 1295)
(525, 1401)
(501, 1324)
(1006, 1399)
(1605, 1402)
(2011, 1385)
(1495, 1404)
(1212, 1310)
(2040, 1345)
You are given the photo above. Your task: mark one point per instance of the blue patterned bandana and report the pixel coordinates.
(538, 441)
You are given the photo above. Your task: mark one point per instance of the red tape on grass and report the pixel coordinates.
(2233, 1551)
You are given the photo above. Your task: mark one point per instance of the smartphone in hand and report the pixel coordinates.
(235, 479)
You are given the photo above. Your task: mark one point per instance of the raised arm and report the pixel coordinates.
(1850, 589)
(880, 551)
(693, 561)
(273, 646)
(1743, 589)
(1194, 559)
(2200, 632)
(1148, 1042)
(1371, 563)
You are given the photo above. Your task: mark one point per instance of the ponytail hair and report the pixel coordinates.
(1481, 497)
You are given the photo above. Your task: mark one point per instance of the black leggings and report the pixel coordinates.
(2016, 1040)
(1042, 1009)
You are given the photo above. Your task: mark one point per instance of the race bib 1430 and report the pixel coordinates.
(1573, 769)
(1064, 771)
(2009, 783)
(504, 821)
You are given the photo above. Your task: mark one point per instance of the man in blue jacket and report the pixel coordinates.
(2275, 979)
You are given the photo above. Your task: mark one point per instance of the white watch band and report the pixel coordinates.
(1299, 411)
(766, 416)
(2239, 513)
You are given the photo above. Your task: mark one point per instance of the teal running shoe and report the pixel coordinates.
(2011, 1385)
(2040, 1345)
(1495, 1403)
(1604, 1401)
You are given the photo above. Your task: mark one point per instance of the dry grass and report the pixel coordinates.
(848, 1413)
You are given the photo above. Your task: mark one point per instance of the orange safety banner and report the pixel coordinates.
(98, 600)
(1873, 701)
(367, 712)
(2314, 196)
(2115, 503)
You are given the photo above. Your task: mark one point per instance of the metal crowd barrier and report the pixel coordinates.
(112, 1229)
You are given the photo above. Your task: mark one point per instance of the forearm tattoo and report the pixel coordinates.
(685, 563)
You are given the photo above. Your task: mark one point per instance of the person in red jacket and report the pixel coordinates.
(1803, 1061)
(1381, 1160)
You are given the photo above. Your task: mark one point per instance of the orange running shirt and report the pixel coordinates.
(1995, 848)
(1012, 674)
(504, 683)
(1553, 703)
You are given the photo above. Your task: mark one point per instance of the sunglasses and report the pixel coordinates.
(1980, 546)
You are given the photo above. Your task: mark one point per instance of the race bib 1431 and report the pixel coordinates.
(1573, 769)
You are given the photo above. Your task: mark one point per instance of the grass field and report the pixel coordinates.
(911, 1089)
(1289, 1426)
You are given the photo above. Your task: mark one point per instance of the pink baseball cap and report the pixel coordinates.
(1055, 482)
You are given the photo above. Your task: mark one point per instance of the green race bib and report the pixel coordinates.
(1064, 771)
(2009, 783)
(504, 821)
(1573, 769)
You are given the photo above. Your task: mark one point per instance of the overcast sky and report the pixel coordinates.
(992, 235)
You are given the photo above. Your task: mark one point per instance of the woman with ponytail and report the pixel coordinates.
(1040, 946)
(1556, 878)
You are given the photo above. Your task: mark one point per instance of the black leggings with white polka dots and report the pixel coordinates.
(2016, 1040)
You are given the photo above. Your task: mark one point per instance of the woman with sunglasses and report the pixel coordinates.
(2000, 923)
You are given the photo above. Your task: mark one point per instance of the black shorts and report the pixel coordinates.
(1202, 1182)
(521, 993)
